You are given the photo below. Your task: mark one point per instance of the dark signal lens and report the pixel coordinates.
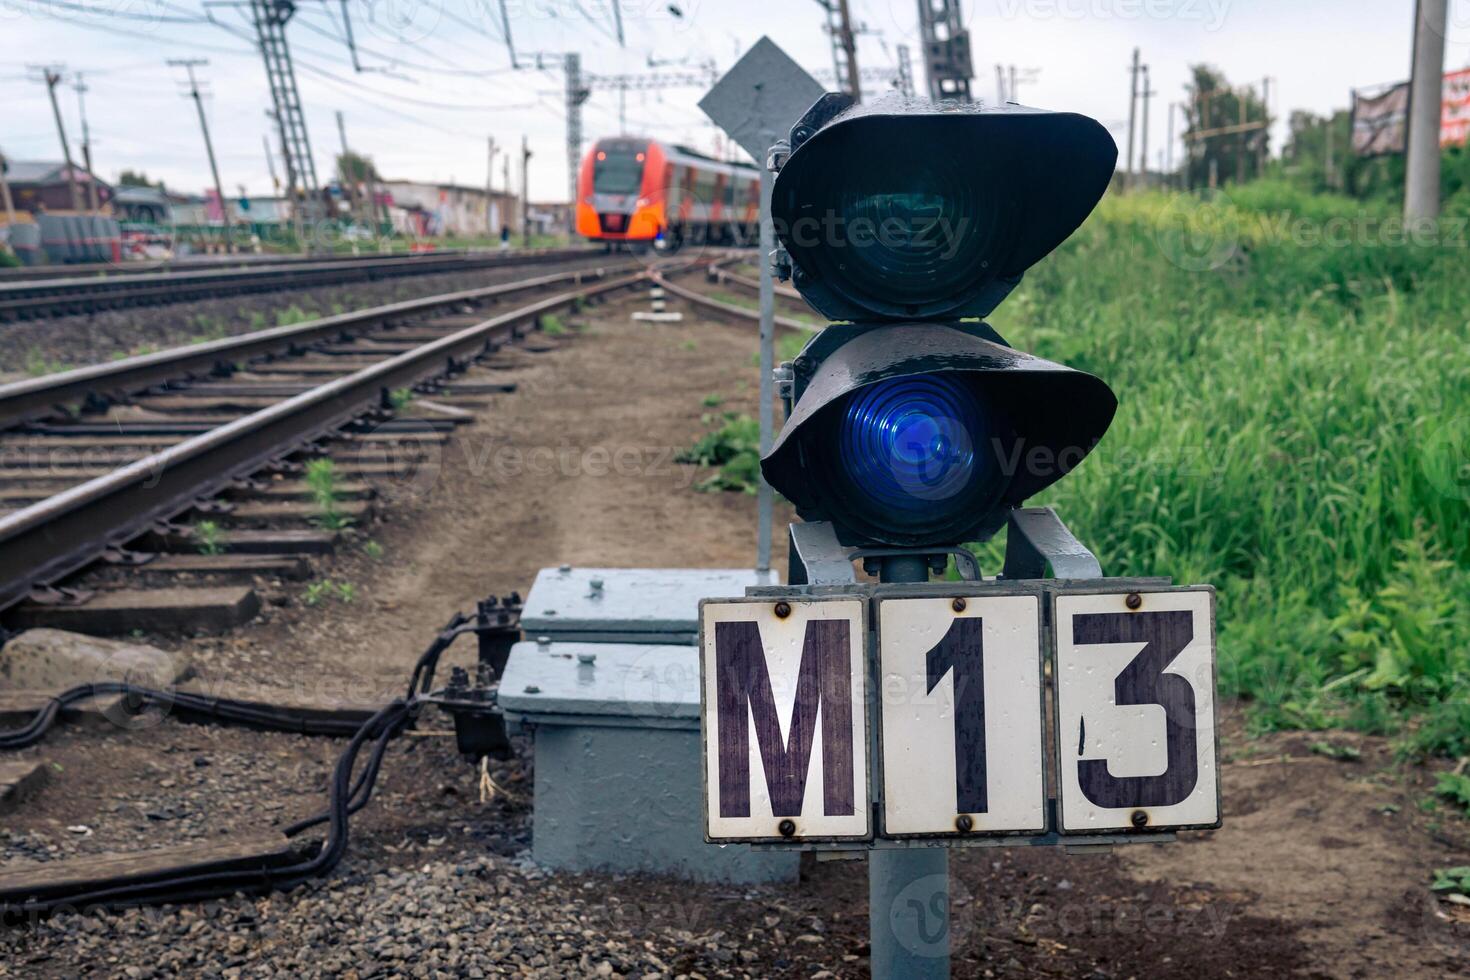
(912, 454)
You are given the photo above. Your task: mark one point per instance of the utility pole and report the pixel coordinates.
(5, 198)
(490, 209)
(349, 186)
(1000, 85)
(1242, 96)
(849, 49)
(81, 90)
(525, 193)
(1169, 146)
(905, 81)
(51, 74)
(1132, 118)
(270, 162)
(578, 92)
(1327, 163)
(188, 64)
(1148, 94)
(1261, 147)
(1426, 95)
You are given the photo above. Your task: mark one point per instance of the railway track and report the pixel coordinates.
(37, 298)
(186, 263)
(110, 473)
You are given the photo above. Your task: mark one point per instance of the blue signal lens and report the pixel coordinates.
(909, 444)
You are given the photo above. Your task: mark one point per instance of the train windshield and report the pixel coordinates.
(618, 168)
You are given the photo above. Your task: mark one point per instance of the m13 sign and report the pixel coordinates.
(784, 688)
(960, 715)
(1135, 710)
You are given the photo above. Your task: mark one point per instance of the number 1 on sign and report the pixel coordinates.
(960, 715)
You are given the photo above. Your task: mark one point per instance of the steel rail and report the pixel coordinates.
(39, 298)
(729, 309)
(722, 275)
(55, 537)
(187, 263)
(21, 401)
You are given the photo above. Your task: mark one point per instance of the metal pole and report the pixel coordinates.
(1000, 85)
(765, 496)
(219, 188)
(81, 89)
(348, 186)
(1169, 146)
(849, 47)
(908, 887)
(1132, 118)
(5, 197)
(52, 78)
(490, 209)
(1143, 147)
(1426, 94)
(525, 194)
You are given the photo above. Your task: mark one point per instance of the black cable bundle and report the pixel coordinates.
(345, 796)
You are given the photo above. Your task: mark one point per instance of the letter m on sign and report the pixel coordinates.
(823, 688)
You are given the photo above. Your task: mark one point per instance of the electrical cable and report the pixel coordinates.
(346, 795)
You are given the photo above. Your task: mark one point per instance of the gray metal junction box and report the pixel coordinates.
(629, 605)
(609, 690)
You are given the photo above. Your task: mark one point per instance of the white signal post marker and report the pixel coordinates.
(961, 715)
(1135, 691)
(785, 719)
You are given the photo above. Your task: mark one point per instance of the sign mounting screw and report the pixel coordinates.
(958, 606)
(783, 609)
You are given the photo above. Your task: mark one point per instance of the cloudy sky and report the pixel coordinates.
(439, 78)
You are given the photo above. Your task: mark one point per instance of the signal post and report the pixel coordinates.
(905, 714)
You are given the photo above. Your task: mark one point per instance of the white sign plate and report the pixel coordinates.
(1135, 709)
(961, 715)
(783, 704)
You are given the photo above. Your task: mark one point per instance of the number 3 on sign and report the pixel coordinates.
(961, 715)
(1135, 690)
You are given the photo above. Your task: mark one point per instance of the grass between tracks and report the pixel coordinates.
(1294, 427)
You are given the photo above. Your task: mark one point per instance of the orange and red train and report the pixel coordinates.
(644, 192)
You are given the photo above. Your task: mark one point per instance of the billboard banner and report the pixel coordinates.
(1454, 124)
(1381, 123)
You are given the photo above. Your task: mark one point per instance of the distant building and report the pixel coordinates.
(42, 185)
(449, 210)
(551, 217)
(142, 206)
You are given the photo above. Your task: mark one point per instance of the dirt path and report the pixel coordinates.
(1320, 870)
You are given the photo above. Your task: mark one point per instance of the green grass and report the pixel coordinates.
(38, 364)
(731, 449)
(294, 314)
(321, 478)
(552, 325)
(1294, 427)
(207, 534)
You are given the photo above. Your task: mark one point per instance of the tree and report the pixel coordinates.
(354, 168)
(1220, 148)
(136, 178)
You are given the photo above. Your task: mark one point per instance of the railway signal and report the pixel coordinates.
(915, 425)
(913, 428)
